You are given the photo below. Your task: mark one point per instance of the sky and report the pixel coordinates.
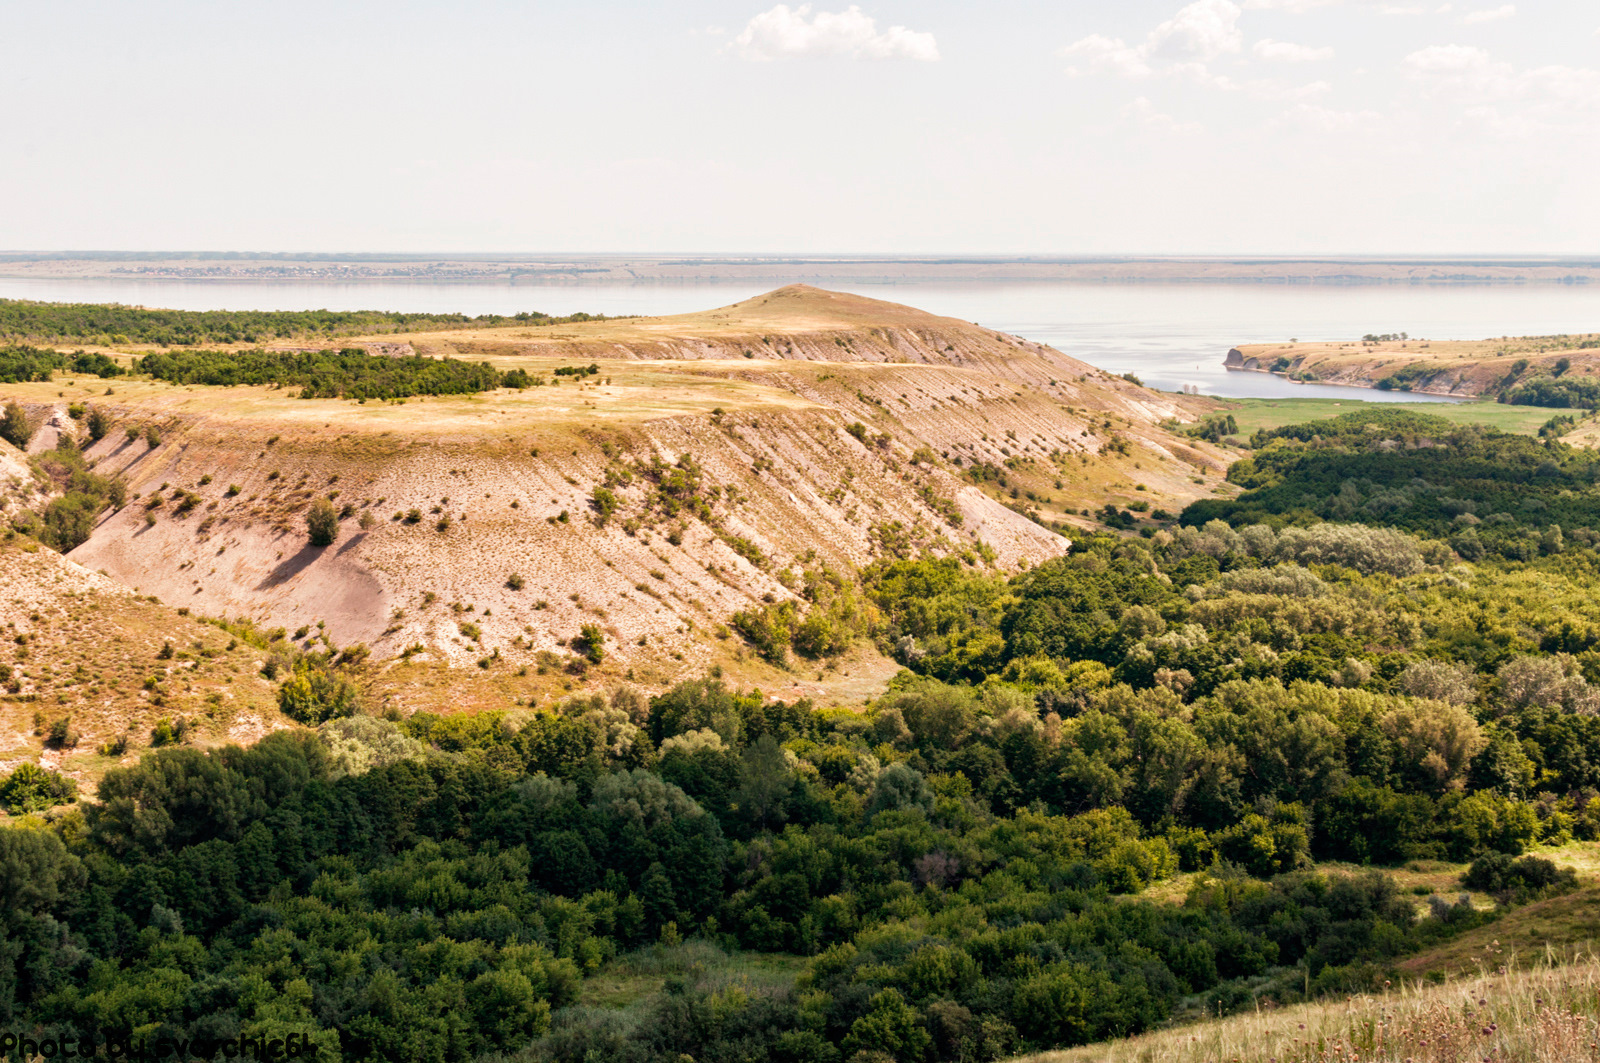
(1076, 127)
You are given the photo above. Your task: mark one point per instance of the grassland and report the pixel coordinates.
(1547, 1014)
(1253, 414)
(1529, 979)
(1536, 968)
(114, 665)
(631, 979)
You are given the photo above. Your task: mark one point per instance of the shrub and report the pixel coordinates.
(768, 628)
(62, 735)
(604, 502)
(1509, 878)
(99, 424)
(15, 427)
(322, 523)
(169, 732)
(590, 642)
(31, 788)
(314, 694)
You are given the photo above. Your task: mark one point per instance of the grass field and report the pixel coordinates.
(1544, 1015)
(1275, 413)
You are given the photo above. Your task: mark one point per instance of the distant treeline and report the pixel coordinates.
(107, 323)
(1560, 394)
(23, 365)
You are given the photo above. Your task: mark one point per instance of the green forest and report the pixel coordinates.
(957, 872)
(111, 323)
(1476, 489)
(21, 364)
(353, 373)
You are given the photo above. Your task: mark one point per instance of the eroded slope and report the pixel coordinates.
(737, 448)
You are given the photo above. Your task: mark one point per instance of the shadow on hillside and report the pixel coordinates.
(290, 568)
(350, 544)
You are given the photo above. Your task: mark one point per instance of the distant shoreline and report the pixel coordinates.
(229, 267)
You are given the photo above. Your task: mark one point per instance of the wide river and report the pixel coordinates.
(1172, 335)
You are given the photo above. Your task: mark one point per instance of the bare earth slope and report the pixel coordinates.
(797, 429)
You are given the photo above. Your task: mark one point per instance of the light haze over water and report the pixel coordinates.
(1171, 335)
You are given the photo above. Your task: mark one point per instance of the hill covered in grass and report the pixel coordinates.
(1516, 1015)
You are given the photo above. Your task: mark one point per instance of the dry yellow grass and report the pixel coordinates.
(78, 646)
(1519, 937)
(1545, 1014)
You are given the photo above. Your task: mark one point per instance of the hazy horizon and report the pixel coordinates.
(712, 255)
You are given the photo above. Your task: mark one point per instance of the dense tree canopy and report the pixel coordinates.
(352, 373)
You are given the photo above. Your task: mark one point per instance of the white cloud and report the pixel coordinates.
(1285, 52)
(1446, 59)
(1199, 33)
(1142, 112)
(784, 33)
(1107, 54)
(1503, 99)
(1204, 30)
(1493, 14)
(1310, 91)
(1329, 120)
(1297, 7)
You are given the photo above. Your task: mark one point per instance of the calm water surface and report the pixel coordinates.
(1171, 335)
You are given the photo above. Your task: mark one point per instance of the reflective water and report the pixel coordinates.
(1170, 335)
